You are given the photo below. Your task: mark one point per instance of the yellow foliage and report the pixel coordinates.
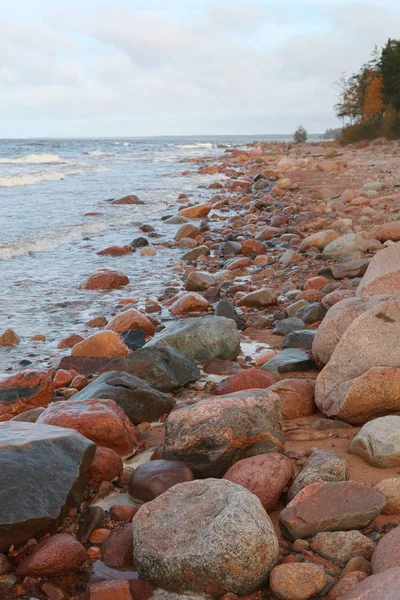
(373, 101)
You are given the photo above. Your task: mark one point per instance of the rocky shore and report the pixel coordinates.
(240, 436)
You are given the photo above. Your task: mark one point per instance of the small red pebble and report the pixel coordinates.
(53, 592)
(99, 536)
(79, 382)
(124, 513)
(93, 552)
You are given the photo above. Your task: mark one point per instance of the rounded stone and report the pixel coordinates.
(106, 466)
(297, 581)
(57, 555)
(155, 477)
(390, 488)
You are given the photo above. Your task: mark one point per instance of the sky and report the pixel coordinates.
(77, 68)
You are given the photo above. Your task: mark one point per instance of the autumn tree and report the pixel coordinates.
(373, 103)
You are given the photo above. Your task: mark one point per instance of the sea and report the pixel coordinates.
(55, 216)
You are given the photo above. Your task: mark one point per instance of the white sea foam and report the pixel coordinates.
(191, 146)
(32, 178)
(98, 153)
(34, 159)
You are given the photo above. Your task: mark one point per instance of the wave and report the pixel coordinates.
(98, 153)
(197, 145)
(32, 178)
(34, 159)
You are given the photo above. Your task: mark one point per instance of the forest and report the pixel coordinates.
(369, 101)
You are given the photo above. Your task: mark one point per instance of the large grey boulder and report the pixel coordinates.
(213, 434)
(378, 442)
(206, 537)
(136, 397)
(164, 368)
(43, 473)
(201, 338)
(362, 379)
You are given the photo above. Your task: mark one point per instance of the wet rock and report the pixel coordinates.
(24, 391)
(131, 199)
(155, 477)
(378, 442)
(131, 319)
(286, 326)
(197, 211)
(390, 488)
(328, 506)
(106, 280)
(164, 368)
(297, 581)
(101, 421)
(296, 397)
(92, 520)
(106, 466)
(230, 247)
(116, 551)
(9, 338)
(323, 465)
(109, 590)
(134, 338)
(208, 521)
(84, 365)
(265, 475)
(287, 361)
(368, 385)
(176, 220)
(200, 339)
(115, 251)
(105, 344)
(247, 379)
(59, 554)
(227, 310)
(312, 313)
(189, 302)
(259, 299)
(48, 466)
(140, 401)
(341, 546)
(383, 274)
(199, 281)
(140, 242)
(196, 253)
(299, 339)
(213, 434)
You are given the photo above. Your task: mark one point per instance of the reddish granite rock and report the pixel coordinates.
(388, 231)
(296, 397)
(70, 341)
(131, 319)
(297, 581)
(83, 365)
(24, 391)
(105, 280)
(330, 506)
(316, 283)
(105, 344)
(101, 421)
(387, 552)
(116, 251)
(197, 211)
(384, 586)
(116, 589)
(319, 240)
(336, 296)
(199, 281)
(155, 477)
(269, 232)
(265, 475)
(63, 378)
(383, 273)
(213, 434)
(247, 379)
(96, 322)
(187, 303)
(186, 230)
(310, 295)
(251, 246)
(219, 366)
(117, 550)
(259, 299)
(131, 199)
(106, 466)
(9, 338)
(390, 488)
(57, 555)
(238, 263)
(346, 584)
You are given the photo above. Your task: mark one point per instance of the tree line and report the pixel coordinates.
(369, 101)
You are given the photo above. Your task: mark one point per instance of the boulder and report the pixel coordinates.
(200, 339)
(131, 319)
(213, 434)
(258, 299)
(48, 467)
(9, 338)
(288, 361)
(244, 380)
(197, 211)
(101, 421)
(296, 581)
(265, 475)
(106, 280)
(106, 466)
(136, 397)
(163, 367)
(378, 442)
(383, 273)
(319, 240)
(189, 302)
(60, 554)
(288, 325)
(24, 391)
(131, 199)
(296, 397)
(384, 586)
(196, 253)
(345, 244)
(330, 506)
(205, 537)
(338, 318)
(187, 230)
(155, 477)
(323, 465)
(105, 344)
(362, 378)
(341, 546)
(387, 552)
(199, 281)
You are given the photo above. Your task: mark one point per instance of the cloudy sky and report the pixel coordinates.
(168, 67)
